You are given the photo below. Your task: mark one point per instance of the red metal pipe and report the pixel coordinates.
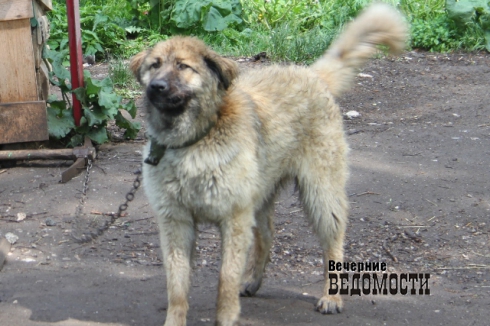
(76, 58)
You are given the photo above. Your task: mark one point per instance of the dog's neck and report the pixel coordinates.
(157, 150)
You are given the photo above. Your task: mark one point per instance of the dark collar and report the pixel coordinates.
(157, 150)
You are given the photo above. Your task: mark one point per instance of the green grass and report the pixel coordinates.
(122, 78)
(306, 28)
(287, 30)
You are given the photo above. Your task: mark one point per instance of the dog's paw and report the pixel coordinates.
(330, 305)
(248, 289)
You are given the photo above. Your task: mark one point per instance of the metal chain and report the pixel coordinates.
(79, 208)
(86, 237)
(129, 197)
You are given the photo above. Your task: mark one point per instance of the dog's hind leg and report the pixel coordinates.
(177, 238)
(237, 236)
(258, 256)
(323, 196)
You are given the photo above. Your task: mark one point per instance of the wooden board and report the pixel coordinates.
(17, 71)
(47, 4)
(15, 9)
(23, 122)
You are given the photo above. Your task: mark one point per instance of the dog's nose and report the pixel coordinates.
(159, 85)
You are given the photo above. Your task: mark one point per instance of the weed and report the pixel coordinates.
(123, 80)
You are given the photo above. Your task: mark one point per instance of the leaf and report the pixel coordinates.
(109, 102)
(487, 39)
(131, 127)
(99, 47)
(133, 29)
(92, 35)
(465, 11)
(95, 116)
(223, 6)
(52, 98)
(63, 43)
(98, 135)
(90, 50)
(94, 86)
(154, 3)
(214, 21)
(76, 140)
(130, 107)
(99, 18)
(81, 94)
(56, 59)
(59, 127)
(60, 106)
(187, 13)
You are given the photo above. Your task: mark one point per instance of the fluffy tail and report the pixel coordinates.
(380, 24)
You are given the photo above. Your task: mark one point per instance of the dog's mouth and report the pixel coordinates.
(168, 99)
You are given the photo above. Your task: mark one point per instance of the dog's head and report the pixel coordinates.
(178, 70)
(185, 83)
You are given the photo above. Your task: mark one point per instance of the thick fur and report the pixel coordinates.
(231, 141)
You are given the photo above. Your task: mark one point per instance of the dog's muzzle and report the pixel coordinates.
(167, 98)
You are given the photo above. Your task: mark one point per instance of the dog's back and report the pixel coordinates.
(294, 100)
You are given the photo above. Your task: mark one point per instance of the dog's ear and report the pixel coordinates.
(225, 69)
(135, 64)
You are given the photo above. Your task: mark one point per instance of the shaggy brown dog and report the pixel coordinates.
(222, 145)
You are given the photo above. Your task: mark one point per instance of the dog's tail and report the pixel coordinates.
(380, 24)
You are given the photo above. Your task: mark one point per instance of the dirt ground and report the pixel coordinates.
(419, 202)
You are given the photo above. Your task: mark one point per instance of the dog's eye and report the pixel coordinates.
(156, 64)
(182, 66)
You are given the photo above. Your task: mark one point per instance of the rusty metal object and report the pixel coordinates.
(79, 154)
(83, 154)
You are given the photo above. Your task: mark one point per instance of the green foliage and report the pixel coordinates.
(99, 102)
(282, 28)
(306, 14)
(186, 16)
(209, 15)
(432, 28)
(470, 13)
(287, 42)
(124, 82)
(103, 29)
(436, 34)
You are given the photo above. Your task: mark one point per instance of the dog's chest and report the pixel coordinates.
(208, 186)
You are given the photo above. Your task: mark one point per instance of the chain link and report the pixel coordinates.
(79, 209)
(86, 237)
(129, 198)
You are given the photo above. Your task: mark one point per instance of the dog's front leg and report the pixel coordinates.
(177, 239)
(237, 238)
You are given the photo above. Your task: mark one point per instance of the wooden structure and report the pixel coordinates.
(24, 84)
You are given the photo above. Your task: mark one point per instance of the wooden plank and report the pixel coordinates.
(17, 71)
(38, 154)
(47, 4)
(15, 9)
(23, 122)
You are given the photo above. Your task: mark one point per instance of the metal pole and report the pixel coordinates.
(76, 59)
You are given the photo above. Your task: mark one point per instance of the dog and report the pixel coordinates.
(222, 144)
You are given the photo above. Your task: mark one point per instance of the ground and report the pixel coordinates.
(419, 202)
